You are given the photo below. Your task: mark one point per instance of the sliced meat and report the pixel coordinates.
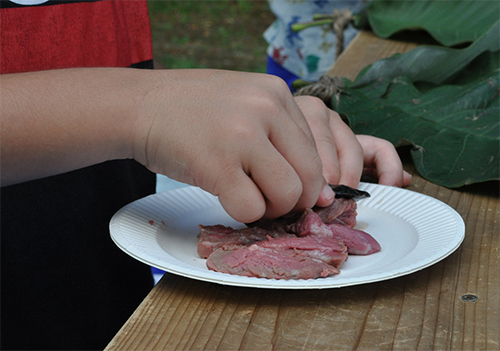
(358, 242)
(215, 236)
(328, 250)
(341, 211)
(311, 224)
(305, 245)
(280, 225)
(347, 218)
(262, 262)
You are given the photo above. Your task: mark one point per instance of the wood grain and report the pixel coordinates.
(368, 49)
(421, 311)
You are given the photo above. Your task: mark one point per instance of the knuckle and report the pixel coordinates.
(262, 102)
(386, 144)
(277, 83)
(314, 102)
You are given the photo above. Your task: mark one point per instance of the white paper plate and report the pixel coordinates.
(414, 230)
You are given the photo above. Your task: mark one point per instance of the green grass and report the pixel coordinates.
(220, 34)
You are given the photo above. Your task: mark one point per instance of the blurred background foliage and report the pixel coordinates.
(224, 34)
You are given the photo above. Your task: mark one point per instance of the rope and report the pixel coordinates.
(341, 19)
(325, 88)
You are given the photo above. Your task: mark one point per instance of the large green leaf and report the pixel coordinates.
(454, 129)
(431, 64)
(449, 22)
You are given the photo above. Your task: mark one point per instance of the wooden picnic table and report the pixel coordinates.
(452, 305)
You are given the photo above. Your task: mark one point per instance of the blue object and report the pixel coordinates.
(276, 69)
(157, 274)
(155, 270)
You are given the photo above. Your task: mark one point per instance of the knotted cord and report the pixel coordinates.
(325, 88)
(341, 19)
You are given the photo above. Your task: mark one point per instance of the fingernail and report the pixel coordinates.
(327, 193)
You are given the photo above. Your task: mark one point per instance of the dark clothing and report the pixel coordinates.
(64, 284)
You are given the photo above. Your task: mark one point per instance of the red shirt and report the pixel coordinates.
(75, 34)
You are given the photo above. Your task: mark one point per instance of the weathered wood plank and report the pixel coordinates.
(364, 50)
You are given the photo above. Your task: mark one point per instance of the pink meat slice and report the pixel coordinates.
(262, 262)
(357, 241)
(215, 236)
(298, 246)
(342, 211)
(311, 224)
(347, 218)
(326, 249)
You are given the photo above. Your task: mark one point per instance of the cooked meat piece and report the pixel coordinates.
(311, 224)
(305, 245)
(348, 217)
(328, 250)
(357, 241)
(342, 211)
(281, 224)
(215, 236)
(262, 262)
